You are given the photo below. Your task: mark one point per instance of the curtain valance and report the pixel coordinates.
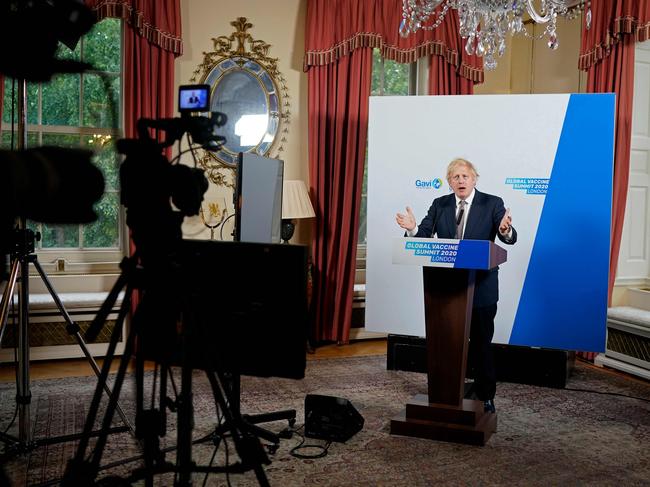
(335, 28)
(611, 20)
(158, 21)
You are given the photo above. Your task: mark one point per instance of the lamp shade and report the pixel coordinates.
(295, 200)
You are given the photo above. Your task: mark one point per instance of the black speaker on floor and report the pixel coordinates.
(331, 418)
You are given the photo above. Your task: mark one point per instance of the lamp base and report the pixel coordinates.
(286, 230)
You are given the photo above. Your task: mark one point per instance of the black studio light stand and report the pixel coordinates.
(84, 468)
(22, 256)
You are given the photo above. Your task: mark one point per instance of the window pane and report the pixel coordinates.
(99, 111)
(104, 232)
(102, 46)
(363, 219)
(364, 187)
(396, 78)
(61, 101)
(375, 87)
(5, 141)
(106, 159)
(6, 105)
(59, 236)
(61, 140)
(64, 52)
(32, 102)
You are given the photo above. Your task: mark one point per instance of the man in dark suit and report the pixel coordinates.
(470, 214)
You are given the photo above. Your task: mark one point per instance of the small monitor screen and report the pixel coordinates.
(194, 98)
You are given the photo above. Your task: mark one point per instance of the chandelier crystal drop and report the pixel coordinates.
(484, 24)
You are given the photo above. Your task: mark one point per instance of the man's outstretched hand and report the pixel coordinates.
(407, 222)
(506, 223)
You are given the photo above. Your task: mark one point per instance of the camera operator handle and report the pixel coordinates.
(171, 128)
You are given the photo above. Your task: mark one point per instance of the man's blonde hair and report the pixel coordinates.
(461, 162)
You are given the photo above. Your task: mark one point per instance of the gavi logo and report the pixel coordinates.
(428, 183)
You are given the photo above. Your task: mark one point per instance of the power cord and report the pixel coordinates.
(605, 393)
(295, 451)
(223, 224)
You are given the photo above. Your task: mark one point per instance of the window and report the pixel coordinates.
(388, 78)
(79, 110)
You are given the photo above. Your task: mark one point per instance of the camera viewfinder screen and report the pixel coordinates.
(194, 98)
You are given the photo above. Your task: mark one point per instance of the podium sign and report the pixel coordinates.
(449, 269)
(447, 252)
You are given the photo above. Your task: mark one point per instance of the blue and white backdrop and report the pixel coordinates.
(549, 157)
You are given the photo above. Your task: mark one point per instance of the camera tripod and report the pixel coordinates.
(21, 257)
(155, 308)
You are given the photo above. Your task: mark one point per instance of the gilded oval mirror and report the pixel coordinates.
(249, 89)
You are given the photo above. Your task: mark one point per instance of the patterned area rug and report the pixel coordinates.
(545, 436)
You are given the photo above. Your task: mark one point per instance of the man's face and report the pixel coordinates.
(462, 181)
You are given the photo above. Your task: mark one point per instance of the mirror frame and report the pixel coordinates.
(238, 49)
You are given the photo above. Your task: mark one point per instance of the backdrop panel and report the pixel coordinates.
(549, 157)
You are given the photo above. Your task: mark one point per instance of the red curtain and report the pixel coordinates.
(607, 54)
(338, 127)
(339, 38)
(613, 21)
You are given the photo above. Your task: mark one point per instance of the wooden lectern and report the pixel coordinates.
(449, 268)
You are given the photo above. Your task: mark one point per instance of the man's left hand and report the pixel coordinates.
(506, 223)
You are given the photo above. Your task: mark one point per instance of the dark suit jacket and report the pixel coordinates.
(483, 221)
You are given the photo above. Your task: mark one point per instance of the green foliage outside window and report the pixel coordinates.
(393, 81)
(61, 101)
(77, 110)
(388, 78)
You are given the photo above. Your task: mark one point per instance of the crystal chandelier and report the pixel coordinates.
(485, 23)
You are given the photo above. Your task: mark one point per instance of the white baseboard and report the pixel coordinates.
(602, 360)
(362, 334)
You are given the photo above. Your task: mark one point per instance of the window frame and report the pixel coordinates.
(80, 260)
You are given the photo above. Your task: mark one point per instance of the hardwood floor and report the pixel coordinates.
(52, 369)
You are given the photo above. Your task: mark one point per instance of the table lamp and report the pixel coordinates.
(295, 204)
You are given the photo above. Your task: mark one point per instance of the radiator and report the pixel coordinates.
(628, 341)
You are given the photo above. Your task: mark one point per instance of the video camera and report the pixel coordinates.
(35, 28)
(155, 225)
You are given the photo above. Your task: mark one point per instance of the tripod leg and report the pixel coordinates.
(7, 297)
(104, 311)
(73, 329)
(185, 425)
(24, 393)
(119, 379)
(248, 447)
(78, 472)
